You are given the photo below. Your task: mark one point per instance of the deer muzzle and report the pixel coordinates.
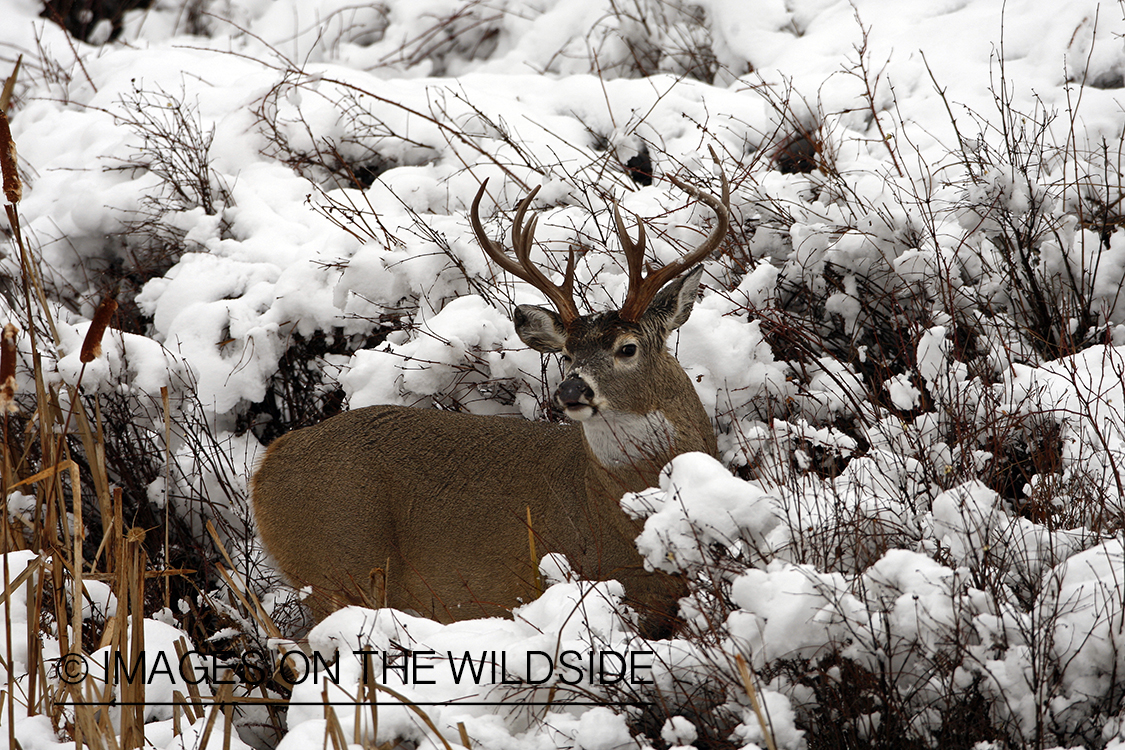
(574, 397)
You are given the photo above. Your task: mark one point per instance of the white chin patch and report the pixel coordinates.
(580, 413)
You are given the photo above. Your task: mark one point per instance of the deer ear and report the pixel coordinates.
(539, 328)
(671, 307)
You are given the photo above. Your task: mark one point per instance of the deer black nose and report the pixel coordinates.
(573, 392)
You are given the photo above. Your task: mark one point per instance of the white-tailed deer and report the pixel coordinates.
(427, 511)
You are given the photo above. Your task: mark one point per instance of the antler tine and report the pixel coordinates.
(642, 290)
(490, 248)
(522, 241)
(634, 253)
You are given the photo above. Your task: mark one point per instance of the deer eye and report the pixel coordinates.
(566, 359)
(629, 350)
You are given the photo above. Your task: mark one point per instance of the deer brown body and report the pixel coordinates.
(427, 511)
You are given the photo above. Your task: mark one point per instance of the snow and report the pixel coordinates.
(1088, 589)
(698, 504)
(874, 532)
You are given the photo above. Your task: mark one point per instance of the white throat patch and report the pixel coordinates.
(623, 438)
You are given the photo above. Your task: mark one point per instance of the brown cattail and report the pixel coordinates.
(8, 367)
(10, 86)
(92, 344)
(13, 188)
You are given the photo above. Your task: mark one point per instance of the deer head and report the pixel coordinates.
(618, 371)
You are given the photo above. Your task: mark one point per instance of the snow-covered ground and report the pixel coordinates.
(912, 354)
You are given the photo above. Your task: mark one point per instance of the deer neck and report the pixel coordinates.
(620, 441)
(626, 451)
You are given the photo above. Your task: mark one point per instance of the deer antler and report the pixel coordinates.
(643, 288)
(522, 239)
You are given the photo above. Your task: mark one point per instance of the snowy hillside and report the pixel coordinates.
(911, 345)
